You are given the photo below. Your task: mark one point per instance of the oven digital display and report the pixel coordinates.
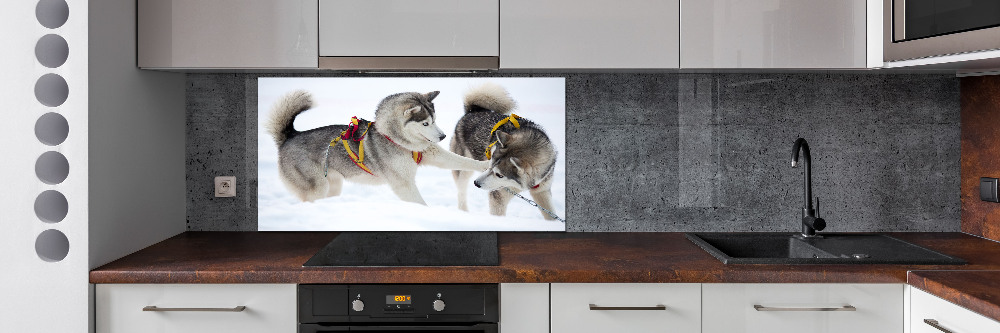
(397, 299)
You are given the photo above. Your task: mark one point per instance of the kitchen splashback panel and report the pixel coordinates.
(681, 152)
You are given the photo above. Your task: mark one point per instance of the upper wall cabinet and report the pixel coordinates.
(227, 34)
(406, 34)
(776, 33)
(589, 34)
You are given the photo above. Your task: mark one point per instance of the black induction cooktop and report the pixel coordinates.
(409, 249)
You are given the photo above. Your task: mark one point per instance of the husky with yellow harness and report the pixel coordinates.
(313, 164)
(521, 155)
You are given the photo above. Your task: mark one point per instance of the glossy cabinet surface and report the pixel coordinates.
(773, 34)
(524, 308)
(730, 308)
(404, 28)
(227, 34)
(269, 308)
(626, 307)
(951, 317)
(589, 34)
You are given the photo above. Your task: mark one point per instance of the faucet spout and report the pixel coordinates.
(810, 222)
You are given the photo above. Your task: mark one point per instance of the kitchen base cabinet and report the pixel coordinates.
(626, 307)
(930, 314)
(802, 308)
(195, 308)
(524, 308)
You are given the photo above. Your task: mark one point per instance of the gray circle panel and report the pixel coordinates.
(51, 206)
(52, 168)
(51, 90)
(52, 245)
(52, 129)
(52, 13)
(51, 51)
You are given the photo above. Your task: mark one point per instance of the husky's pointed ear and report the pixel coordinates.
(430, 96)
(411, 111)
(514, 161)
(502, 138)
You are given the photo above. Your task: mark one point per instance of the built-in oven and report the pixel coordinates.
(927, 28)
(465, 308)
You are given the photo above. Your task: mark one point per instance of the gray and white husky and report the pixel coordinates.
(522, 158)
(404, 125)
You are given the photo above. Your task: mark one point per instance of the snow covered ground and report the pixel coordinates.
(376, 208)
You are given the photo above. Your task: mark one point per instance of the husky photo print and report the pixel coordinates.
(411, 154)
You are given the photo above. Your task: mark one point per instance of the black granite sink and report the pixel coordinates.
(787, 249)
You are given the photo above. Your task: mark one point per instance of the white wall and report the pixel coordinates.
(36, 295)
(126, 127)
(137, 187)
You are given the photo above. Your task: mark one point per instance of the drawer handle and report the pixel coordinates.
(234, 309)
(627, 308)
(759, 307)
(935, 324)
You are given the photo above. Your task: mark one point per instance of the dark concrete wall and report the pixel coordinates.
(683, 152)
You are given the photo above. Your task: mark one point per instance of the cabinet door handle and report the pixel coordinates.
(233, 309)
(759, 307)
(628, 308)
(935, 324)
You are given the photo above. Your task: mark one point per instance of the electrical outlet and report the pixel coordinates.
(225, 186)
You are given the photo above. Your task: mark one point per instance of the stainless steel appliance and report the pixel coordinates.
(928, 28)
(469, 308)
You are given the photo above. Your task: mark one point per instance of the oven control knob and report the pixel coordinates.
(438, 305)
(358, 305)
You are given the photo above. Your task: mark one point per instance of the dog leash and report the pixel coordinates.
(530, 202)
(512, 119)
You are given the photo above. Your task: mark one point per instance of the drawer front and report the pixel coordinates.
(617, 303)
(949, 316)
(524, 308)
(269, 308)
(729, 308)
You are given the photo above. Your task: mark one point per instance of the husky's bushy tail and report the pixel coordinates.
(487, 97)
(284, 112)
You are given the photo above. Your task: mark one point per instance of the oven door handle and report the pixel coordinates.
(433, 327)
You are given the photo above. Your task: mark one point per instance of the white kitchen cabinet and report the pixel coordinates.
(949, 316)
(268, 308)
(589, 34)
(524, 308)
(626, 307)
(777, 34)
(227, 34)
(406, 28)
(802, 308)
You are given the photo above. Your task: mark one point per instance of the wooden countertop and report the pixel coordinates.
(277, 257)
(978, 291)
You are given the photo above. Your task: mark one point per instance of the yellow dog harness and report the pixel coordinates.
(359, 158)
(512, 119)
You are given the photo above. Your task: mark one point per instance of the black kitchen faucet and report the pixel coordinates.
(810, 222)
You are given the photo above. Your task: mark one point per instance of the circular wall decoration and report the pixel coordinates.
(51, 129)
(52, 167)
(52, 245)
(51, 90)
(51, 51)
(52, 13)
(51, 206)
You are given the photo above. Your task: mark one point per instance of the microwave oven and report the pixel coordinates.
(915, 29)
